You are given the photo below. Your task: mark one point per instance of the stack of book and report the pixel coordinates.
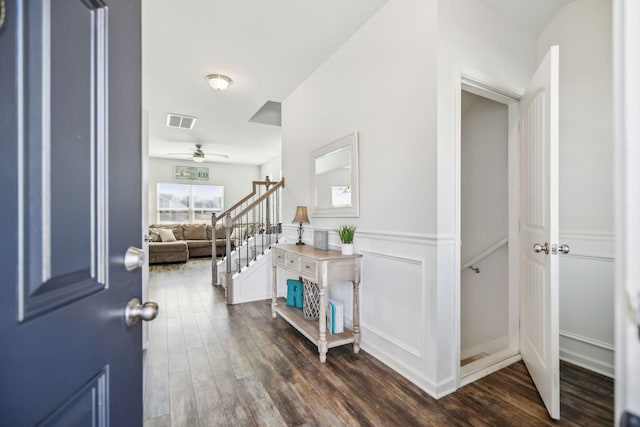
(335, 317)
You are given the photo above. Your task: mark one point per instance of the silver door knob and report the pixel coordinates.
(564, 249)
(537, 248)
(133, 258)
(135, 311)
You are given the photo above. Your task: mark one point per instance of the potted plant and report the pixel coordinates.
(346, 233)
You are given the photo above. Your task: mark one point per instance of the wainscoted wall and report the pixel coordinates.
(398, 308)
(408, 172)
(586, 301)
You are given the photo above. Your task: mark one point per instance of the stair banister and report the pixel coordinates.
(261, 206)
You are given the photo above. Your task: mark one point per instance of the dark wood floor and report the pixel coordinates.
(210, 364)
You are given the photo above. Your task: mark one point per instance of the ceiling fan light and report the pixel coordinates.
(219, 81)
(198, 157)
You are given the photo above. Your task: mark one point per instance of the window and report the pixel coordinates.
(189, 203)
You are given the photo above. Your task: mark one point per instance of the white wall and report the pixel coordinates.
(484, 296)
(381, 83)
(396, 83)
(273, 168)
(583, 31)
(236, 180)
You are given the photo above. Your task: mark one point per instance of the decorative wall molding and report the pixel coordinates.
(589, 245)
(587, 340)
(396, 236)
(396, 258)
(369, 256)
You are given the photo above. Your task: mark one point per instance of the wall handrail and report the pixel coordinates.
(482, 255)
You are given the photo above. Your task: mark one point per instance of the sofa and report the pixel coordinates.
(179, 242)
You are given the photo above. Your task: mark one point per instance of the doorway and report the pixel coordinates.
(488, 212)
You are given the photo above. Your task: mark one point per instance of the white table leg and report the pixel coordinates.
(322, 325)
(356, 317)
(274, 293)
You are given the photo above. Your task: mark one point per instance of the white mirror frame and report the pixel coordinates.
(350, 140)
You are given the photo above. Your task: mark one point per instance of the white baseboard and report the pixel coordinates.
(474, 376)
(587, 353)
(406, 371)
(490, 347)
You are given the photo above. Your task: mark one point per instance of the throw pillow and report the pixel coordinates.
(194, 231)
(166, 235)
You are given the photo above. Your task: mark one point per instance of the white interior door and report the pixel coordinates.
(538, 141)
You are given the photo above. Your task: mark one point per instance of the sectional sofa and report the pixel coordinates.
(179, 242)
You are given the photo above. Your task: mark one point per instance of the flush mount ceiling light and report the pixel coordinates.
(219, 81)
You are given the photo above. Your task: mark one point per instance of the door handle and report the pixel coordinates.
(537, 248)
(564, 249)
(136, 311)
(133, 258)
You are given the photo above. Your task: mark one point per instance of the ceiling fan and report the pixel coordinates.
(198, 155)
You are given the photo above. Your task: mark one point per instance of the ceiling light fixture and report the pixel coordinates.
(219, 81)
(198, 155)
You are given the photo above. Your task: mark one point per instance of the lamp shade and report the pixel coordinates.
(301, 215)
(219, 81)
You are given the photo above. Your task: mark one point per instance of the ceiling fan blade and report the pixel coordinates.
(224, 156)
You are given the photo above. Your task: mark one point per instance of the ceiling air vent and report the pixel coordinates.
(179, 121)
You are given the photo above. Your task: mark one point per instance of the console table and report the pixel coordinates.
(320, 267)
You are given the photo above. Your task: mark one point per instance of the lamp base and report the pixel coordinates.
(300, 231)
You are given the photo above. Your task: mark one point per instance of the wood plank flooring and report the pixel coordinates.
(209, 364)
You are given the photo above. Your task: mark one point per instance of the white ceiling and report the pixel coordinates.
(533, 14)
(268, 48)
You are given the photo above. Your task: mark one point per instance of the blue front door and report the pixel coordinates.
(70, 196)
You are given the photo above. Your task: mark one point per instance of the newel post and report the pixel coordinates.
(214, 257)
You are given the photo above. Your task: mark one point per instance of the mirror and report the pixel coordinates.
(334, 179)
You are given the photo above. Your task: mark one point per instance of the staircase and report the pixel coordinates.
(252, 225)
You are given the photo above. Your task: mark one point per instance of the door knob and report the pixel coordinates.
(564, 249)
(133, 258)
(537, 248)
(135, 311)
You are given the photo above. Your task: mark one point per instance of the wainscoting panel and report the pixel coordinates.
(396, 301)
(586, 301)
(393, 299)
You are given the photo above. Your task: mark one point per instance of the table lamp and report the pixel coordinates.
(301, 217)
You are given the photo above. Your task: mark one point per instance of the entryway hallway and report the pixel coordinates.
(212, 364)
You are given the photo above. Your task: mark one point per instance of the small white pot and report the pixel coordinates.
(347, 249)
